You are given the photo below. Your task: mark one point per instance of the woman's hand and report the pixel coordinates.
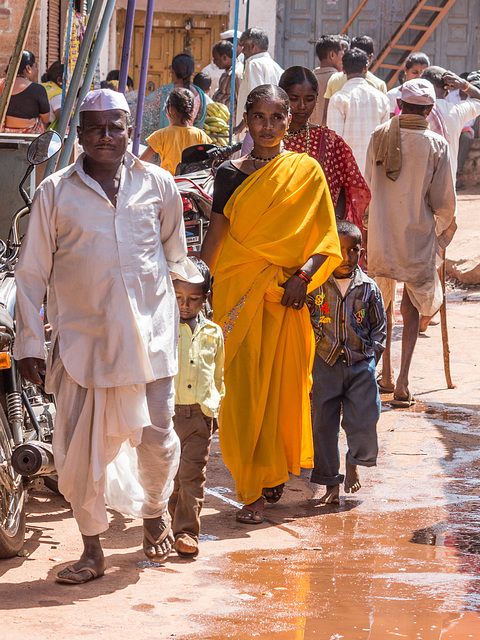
(295, 293)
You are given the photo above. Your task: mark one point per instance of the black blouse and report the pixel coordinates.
(29, 103)
(228, 178)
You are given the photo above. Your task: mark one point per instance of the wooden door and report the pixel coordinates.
(294, 44)
(197, 42)
(160, 47)
(302, 22)
(454, 44)
(170, 36)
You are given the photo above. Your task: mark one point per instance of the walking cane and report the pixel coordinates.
(443, 322)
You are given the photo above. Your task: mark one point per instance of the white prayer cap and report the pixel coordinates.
(230, 34)
(104, 100)
(186, 271)
(418, 91)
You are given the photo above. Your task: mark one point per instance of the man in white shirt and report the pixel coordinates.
(337, 80)
(102, 237)
(259, 68)
(357, 109)
(455, 115)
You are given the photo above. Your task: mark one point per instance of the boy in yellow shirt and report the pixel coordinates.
(199, 390)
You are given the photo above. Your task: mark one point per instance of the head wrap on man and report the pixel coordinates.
(386, 139)
(418, 91)
(225, 35)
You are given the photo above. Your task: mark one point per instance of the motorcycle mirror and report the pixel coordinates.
(44, 147)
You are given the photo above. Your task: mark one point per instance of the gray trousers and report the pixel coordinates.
(353, 389)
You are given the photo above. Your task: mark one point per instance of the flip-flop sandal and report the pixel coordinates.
(277, 493)
(382, 389)
(399, 403)
(166, 533)
(249, 520)
(66, 580)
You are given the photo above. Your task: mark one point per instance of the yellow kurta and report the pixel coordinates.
(279, 217)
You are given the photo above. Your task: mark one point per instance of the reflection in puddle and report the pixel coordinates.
(402, 560)
(463, 541)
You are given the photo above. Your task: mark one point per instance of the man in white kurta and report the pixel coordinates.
(357, 108)
(411, 216)
(455, 115)
(260, 68)
(102, 237)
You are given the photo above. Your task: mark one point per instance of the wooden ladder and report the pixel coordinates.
(428, 21)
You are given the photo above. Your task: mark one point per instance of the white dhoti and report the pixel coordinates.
(90, 428)
(426, 297)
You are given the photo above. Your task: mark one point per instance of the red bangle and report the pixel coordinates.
(303, 275)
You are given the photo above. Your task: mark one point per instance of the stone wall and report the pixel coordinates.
(11, 14)
(471, 170)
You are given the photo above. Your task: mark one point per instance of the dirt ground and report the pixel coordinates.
(400, 559)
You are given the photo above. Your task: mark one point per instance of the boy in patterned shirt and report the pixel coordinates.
(349, 322)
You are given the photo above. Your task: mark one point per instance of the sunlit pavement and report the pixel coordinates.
(399, 559)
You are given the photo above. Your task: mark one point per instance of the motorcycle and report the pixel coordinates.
(194, 178)
(27, 412)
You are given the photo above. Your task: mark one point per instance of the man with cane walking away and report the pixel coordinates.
(411, 217)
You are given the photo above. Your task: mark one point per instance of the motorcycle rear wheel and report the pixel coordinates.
(12, 498)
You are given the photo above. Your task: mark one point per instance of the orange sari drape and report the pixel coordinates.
(279, 217)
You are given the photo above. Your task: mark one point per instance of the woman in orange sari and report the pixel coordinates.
(272, 238)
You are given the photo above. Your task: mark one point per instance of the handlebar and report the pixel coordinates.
(13, 245)
(224, 152)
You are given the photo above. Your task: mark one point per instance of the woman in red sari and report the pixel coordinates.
(348, 189)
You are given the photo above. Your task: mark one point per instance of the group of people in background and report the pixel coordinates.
(337, 178)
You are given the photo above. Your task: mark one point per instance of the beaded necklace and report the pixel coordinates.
(293, 134)
(252, 157)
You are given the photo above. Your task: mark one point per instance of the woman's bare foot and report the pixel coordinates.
(352, 479)
(158, 539)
